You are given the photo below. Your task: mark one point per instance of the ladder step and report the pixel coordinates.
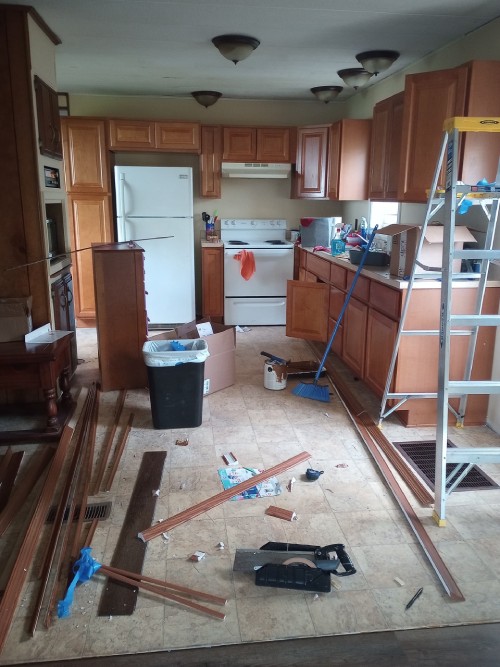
(473, 455)
(462, 387)
(434, 332)
(477, 254)
(407, 394)
(476, 320)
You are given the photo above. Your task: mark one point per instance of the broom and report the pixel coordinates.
(313, 390)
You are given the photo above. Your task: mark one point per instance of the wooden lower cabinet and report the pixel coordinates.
(366, 336)
(121, 319)
(212, 282)
(354, 342)
(380, 338)
(90, 222)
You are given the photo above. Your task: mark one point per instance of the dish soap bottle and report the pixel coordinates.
(363, 228)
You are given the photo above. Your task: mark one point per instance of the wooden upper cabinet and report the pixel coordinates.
(179, 137)
(256, 144)
(85, 155)
(312, 148)
(49, 122)
(348, 159)
(131, 134)
(210, 161)
(430, 98)
(385, 154)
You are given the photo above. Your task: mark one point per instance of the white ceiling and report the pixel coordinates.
(163, 47)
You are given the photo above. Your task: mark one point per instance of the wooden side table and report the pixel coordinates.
(39, 365)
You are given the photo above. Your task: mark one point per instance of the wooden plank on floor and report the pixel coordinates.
(9, 476)
(119, 599)
(220, 498)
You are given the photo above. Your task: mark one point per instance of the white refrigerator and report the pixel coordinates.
(152, 203)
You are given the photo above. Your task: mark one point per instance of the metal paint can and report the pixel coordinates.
(274, 375)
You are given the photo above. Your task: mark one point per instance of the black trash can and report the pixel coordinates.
(175, 378)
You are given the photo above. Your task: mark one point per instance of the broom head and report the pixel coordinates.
(314, 391)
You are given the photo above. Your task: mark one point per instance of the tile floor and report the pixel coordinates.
(349, 503)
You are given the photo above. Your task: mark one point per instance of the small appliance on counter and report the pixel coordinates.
(318, 231)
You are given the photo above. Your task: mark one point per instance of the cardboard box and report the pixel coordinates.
(15, 318)
(220, 367)
(404, 247)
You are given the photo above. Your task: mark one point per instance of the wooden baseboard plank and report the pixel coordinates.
(119, 599)
(363, 422)
(165, 594)
(31, 537)
(106, 448)
(191, 592)
(118, 452)
(220, 498)
(24, 487)
(8, 478)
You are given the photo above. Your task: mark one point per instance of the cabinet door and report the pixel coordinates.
(85, 155)
(348, 159)
(131, 134)
(212, 278)
(430, 98)
(380, 337)
(210, 161)
(178, 137)
(312, 145)
(394, 149)
(239, 144)
(273, 144)
(385, 154)
(354, 340)
(64, 311)
(307, 310)
(90, 222)
(49, 122)
(380, 146)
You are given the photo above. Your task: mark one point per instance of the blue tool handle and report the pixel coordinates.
(273, 358)
(346, 302)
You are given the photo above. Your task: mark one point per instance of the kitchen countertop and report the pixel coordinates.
(381, 274)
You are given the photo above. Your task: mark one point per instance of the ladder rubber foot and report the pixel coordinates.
(440, 522)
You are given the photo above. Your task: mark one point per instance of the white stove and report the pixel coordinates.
(258, 262)
(254, 233)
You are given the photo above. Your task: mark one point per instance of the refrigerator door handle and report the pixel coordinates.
(120, 221)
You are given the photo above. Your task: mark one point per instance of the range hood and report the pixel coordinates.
(255, 170)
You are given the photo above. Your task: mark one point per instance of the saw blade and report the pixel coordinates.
(246, 560)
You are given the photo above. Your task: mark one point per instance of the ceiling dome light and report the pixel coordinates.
(235, 47)
(377, 61)
(354, 76)
(326, 93)
(206, 97)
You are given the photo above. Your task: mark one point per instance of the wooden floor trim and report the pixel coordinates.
(364, 424)
(31, 537)
(67, 492)
(118, 452)
(106, 448)
(220, 498)
(8, 477)
(164, 594)
(24, 487)
(191, 592)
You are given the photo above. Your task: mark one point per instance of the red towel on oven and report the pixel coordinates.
(247, 263)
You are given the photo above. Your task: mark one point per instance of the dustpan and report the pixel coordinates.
(313, 390)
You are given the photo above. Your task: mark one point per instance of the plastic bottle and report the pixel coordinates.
(363, 228)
